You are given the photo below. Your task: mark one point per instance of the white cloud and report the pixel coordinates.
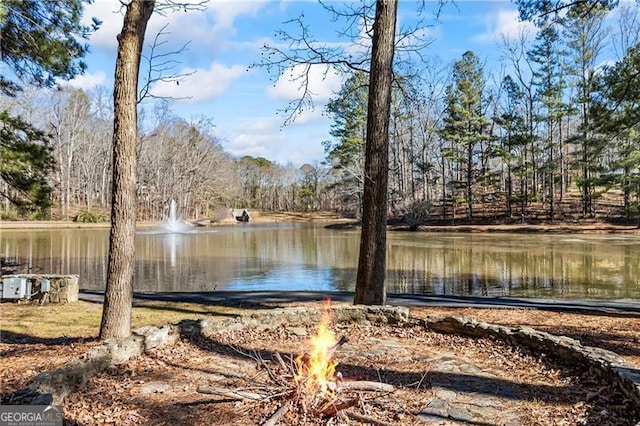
(263, 143)
(323, 82)
(109, 12)
(204, 85)
(198, 26)
(505, 23)
(226, 11)
(310, 115)
(264, 137)
(88, 80)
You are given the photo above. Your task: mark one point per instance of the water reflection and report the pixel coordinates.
(295, 257)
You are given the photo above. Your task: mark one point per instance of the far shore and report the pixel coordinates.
(337, 222)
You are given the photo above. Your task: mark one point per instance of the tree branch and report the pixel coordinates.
(160, 66)
(300, 48)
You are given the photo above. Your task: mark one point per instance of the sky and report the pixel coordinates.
(246, 103)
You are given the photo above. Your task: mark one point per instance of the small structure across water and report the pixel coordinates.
(241, 215)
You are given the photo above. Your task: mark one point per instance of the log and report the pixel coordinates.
(362, 385)
(279, 414)
(238, 395)
(334, 407)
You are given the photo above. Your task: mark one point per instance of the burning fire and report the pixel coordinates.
(316, 370)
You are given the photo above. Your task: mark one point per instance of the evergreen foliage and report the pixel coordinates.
(86, 216)
(513, 143)
(616, 116)
(550, 84)
(40, 43)
(345, 154)
(25, 159)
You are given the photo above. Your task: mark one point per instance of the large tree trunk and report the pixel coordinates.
(116, 313)
(370, 286)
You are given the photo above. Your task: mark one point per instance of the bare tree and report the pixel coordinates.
(299, 52)
(161, 65)
(68, 125)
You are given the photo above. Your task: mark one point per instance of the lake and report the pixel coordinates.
(302, 257)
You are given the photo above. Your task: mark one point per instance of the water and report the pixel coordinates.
(297, 257)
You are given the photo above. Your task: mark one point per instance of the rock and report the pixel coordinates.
(460, 415)
(157, 337)
(436, 410)
(298, 331)
(156, 387)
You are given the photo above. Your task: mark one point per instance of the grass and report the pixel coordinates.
(82, 319)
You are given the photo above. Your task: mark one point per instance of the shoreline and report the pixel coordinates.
(335, 221)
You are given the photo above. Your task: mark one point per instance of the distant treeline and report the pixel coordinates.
(552, 135)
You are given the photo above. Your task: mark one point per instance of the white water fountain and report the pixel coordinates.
(174, 223)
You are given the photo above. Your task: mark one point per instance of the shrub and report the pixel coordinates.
(416, 213)
(85, 216)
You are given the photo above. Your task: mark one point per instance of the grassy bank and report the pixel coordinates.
(82, 319)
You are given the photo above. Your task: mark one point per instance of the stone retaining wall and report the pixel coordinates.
(64, 288)
(273, 318)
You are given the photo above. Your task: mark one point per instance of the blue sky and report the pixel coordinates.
(225, 40)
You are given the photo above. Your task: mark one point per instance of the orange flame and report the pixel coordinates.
(316, 370)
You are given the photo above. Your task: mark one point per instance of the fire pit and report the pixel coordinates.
(308, 385)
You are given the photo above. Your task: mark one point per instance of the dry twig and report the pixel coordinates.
(287, 368)
(279, 414)
(365, 419)
(232, 394)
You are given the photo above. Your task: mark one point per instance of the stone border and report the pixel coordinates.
(273, 318)
(53, 386)
(608, 364)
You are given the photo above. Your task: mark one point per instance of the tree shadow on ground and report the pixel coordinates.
(185, 310)
(13, 338)
(618, 343)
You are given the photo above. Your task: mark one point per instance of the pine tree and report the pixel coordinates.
(616, 117)
(41, 42)
(116, 313)
(464, 121)
(550, 83)
(585, 34)
(25, 160)
(345, 154)
(513, 141)
(370, 279)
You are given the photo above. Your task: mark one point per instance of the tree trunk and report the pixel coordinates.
(116, 313)
(370, 285)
